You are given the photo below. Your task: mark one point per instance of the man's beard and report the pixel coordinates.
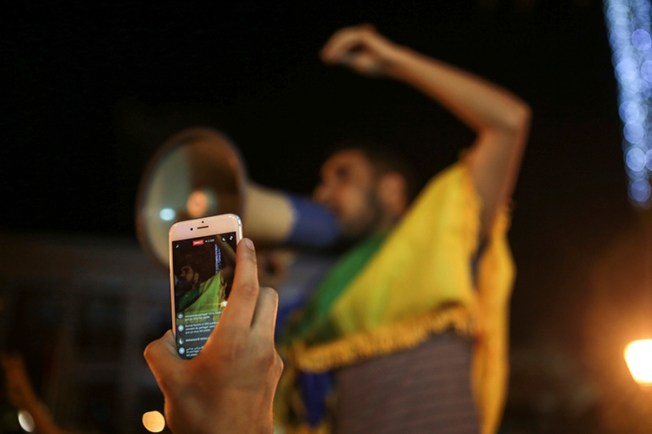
(371, 224)
(182, 286)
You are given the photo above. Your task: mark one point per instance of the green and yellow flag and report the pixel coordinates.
(393, 291)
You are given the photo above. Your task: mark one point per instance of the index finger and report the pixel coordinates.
(341, 42)
(240, 309)
(163, 360)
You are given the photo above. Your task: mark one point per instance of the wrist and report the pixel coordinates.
(237, 424)
(246, 416)
(231, 414)
(396, 59)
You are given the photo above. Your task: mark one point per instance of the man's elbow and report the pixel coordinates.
(518, 118)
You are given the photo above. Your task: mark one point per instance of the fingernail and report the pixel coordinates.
(248, 243)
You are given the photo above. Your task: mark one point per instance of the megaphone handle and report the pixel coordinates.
(268, 216)
(314, 225)
(276, 217)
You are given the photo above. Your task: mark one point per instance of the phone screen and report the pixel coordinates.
(203, 270)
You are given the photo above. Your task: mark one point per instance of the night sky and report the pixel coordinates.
(92, 89)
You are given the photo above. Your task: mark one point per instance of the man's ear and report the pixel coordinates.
(392, 192)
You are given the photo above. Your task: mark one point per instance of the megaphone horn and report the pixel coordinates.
(199, 172)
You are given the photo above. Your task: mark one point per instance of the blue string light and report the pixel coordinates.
(628, 23)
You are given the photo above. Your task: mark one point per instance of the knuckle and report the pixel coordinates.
(249, 289)
(265, 355)
(279, 365)
(148, 351)
(233, 350)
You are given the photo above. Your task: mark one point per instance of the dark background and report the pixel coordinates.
(94, 88)
(91, 89)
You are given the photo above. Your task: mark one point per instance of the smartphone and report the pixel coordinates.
(202, 265)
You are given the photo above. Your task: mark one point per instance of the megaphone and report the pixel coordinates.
(199, 172)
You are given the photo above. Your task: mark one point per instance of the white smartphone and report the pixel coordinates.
(202, 265)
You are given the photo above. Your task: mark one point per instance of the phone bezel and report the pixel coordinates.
(197, 228)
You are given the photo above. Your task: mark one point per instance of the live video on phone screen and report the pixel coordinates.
(203, 275)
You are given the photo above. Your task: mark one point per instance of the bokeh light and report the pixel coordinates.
(638, 355)
(628, 23)
(26, 421)
(167, 214)
(153, 421)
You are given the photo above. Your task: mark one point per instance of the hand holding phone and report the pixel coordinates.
(229, 387)
(202, 266)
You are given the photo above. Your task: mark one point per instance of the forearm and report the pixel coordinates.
(483, 106)
(499, 118)
(229, 414)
